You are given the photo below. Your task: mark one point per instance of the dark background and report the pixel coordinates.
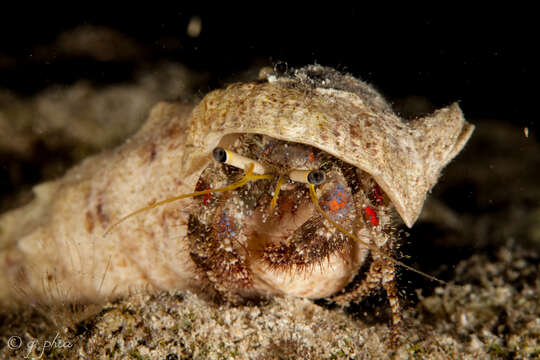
(484, 59)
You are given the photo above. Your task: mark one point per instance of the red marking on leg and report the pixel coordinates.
(206, 198)
(201, 185)
(371, 216)
(378, 195)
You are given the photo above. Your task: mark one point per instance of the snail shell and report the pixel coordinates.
(53, 249)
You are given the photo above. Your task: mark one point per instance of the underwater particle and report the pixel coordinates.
(194, 26)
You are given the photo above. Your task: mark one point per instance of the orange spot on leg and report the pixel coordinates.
(337, 202)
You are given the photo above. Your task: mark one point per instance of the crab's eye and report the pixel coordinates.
(220, 155)
(316, 177)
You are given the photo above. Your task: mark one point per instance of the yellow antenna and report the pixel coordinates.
(315, 177)
(372, 247)
(249, 176)
(282, 180)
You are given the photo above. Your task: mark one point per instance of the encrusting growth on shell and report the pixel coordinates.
(263, 238)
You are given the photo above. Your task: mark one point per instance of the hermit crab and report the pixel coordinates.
(288, 185)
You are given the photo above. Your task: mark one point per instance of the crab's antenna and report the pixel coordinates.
(282, 180)
(249, 176)
(371, 247)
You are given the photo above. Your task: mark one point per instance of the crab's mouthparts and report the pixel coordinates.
(278, 224)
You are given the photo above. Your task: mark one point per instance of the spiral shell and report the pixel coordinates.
(54, 247)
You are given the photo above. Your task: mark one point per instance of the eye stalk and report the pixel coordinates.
(228, 157)
(314, 177)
